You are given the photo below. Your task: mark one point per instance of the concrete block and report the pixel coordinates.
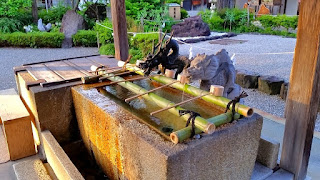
(270, 84)
(260, 172)
(31, 169)
(281, 174)
(58, 159)
(16, 123)
(268, 152)
(247, 79)
(127, 149)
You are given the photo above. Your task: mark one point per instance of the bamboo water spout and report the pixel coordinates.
(217, 100)
(200, 122)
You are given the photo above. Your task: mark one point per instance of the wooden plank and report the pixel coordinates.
(104, 60)
(64, 70)
(304, 93)
(16, 123)
(78, 68)
(39, 71)
(83, 63)
(119, 22)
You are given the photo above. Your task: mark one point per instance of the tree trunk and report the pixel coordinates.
(225, 4)
(35, 11)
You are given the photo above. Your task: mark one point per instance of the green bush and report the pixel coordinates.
(85, 38)
(34, 39)
(278, 21)
(104, 34)
(8, 25)
(143, 42)
(107, 49)
(54, 14)
(184, 13)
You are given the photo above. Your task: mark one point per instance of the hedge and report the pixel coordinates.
(107, 49)
(85, 38)
(33, 39)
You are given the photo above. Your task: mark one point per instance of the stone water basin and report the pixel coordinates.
(128, 143)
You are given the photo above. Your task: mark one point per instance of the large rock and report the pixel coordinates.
(270, 84)
(284, 90)
(191, 27)
(247, 79)
(71, 23)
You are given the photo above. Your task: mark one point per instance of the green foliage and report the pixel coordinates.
(85, 38)
(10, 8)
(141, 45)
(107, 49)
(184, 13)
(104, 34)
(133, 7)
(34, 39)
(174, 1)
(54, 14)
(236, 20)
(280, 20)
(8, 25)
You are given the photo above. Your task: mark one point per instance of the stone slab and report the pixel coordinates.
(260, 172)
(268, 152)
(31, 169)
(127, 149)
(58, 159)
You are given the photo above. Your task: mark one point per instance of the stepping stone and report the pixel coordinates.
(281, 174)
(247, 79)
(270, 84)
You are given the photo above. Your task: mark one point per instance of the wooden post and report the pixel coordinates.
(304, 93)
(118, 11)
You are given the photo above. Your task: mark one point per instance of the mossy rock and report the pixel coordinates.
(247, 79)
(270, 84)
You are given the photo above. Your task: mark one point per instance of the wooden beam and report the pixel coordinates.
(119, 22)
(304, 93)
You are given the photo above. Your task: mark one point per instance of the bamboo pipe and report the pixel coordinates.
(200, 122)
(185, 133)
(219, 101)
(126, 80)
(138, 95)
(118, 74)
(178, 104)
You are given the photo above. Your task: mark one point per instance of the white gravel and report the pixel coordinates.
(263, 54)
(11, 57)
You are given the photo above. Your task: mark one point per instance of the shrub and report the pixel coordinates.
(54, 14)
(85, 38)
(278, 21)
(184, 13)
(143, 42)
(8, 25)
(104, 34)
(34, 39)
(107, 49)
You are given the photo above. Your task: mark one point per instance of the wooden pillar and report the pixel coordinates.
(118, 11)
(304, 93)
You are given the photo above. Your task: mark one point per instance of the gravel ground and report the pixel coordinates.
(263, 54)
(11, 57)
